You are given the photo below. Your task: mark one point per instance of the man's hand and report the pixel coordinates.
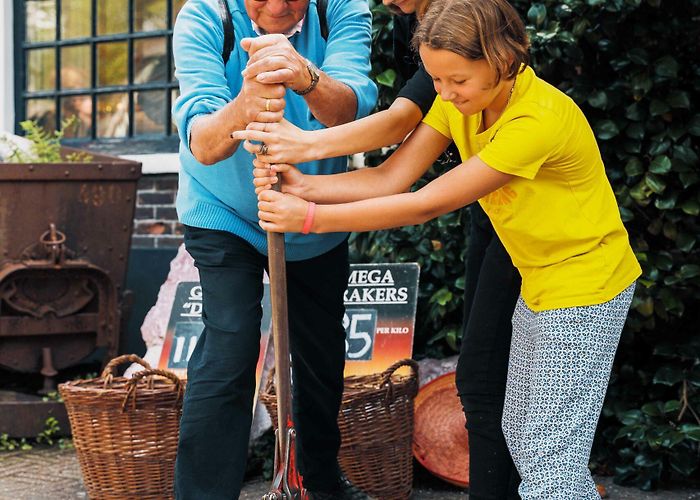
(272, 59)
(259, 102)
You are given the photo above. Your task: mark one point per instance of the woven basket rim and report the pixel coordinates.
(118, 385)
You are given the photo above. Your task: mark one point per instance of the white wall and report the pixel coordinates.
(7, 77)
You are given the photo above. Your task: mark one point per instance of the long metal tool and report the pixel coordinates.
(286, 483)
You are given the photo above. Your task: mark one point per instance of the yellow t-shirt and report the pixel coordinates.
(558, 218)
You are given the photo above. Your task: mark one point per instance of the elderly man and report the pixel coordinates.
(271, 71)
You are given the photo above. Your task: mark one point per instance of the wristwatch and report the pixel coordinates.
(315, 75)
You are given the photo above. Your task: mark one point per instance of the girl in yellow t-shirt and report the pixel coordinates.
(530, 158)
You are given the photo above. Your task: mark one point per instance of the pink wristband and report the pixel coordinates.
(309, 219)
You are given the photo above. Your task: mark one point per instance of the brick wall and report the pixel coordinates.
(155, 220)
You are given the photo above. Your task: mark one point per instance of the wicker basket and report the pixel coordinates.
(376, 427)
(125, 431)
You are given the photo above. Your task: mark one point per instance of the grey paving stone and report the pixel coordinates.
(53, 474)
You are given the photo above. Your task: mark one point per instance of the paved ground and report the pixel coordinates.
(52, 474)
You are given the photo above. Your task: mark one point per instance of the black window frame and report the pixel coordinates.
(130, 144)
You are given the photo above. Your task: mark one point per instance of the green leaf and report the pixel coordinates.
(694, 125)
(667, 67)
(668, 375)
(658, 107)
(642, 83)
(626, 214)
(387, 78)
(641, 192)
(678, 99)
(685, 242)
(667, 202)
(684, 462)
(686, 154)
(635, 112)
(672, 406)
(638, 56)
(660, 165)
(631, 417)
(691, 207)
(690, 271)
(635, 131)
(646, 460)
(634, 167)
(659, 147)
(691, 431)
(652, 409)
(451, 338)
(606, 129)
(537, 14)
(598, 99)
(441, 297)
(655, 183)
(688, 179)
(664, 261)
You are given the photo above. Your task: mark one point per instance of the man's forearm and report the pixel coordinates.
(210, 140)
(332, 102)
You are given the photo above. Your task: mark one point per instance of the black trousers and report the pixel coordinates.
(217, 411)
(491, 291)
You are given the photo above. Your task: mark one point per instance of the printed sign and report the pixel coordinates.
(380, 313)
(379, 320)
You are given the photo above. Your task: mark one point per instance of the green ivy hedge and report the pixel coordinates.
(633, 67)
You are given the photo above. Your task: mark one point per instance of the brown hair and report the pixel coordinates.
(476, 29)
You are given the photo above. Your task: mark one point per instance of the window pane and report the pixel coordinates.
(174, 94)
(41, 69)
(177, 5)
(112, 16)
(113, 115)
(80, 107)
(43, 111)
(150, 63)
(149, 112)
(76, 17)
(149, 15)
(111, 64)
(75, 67)
(41, 20)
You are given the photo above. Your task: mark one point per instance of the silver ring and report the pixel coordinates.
(263, 149)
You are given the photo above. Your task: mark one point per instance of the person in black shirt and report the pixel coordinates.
(492, 283)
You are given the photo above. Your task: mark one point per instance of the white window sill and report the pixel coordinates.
(153, 164)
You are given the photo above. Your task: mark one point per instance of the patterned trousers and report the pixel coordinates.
(558, 373)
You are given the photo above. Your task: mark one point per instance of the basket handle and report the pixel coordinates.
(386, 375)
(270, 383)
(108, 372)
(132, 384)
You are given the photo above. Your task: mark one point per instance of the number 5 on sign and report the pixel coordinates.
(360, 325)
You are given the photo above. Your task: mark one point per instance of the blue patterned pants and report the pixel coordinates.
(558, 373)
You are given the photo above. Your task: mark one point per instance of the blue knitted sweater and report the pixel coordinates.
(221, 196)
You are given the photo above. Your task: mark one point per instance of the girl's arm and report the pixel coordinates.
(460, 186)
(397, 174)
(287, 143)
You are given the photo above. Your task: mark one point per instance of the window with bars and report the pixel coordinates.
(108, 63)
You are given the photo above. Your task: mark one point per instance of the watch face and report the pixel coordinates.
(313, 69)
